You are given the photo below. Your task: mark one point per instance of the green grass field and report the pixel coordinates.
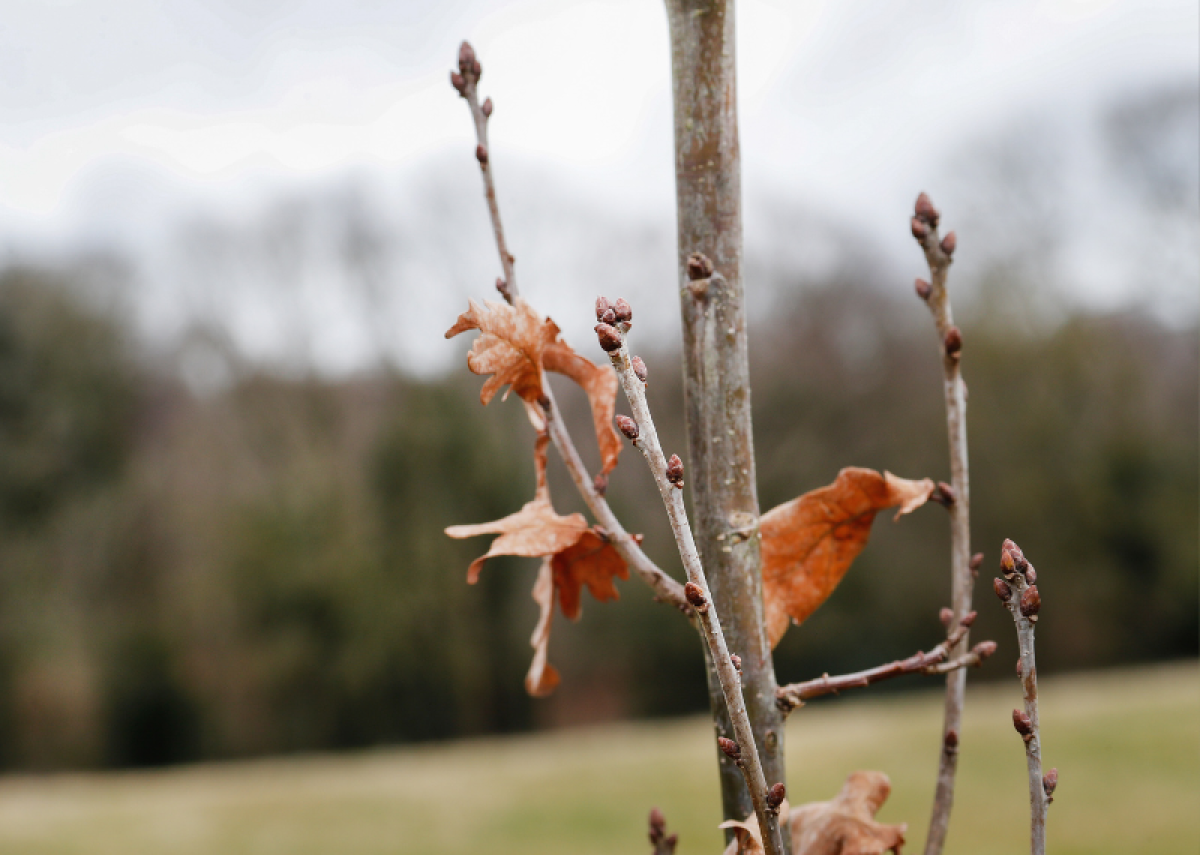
(1127, 745)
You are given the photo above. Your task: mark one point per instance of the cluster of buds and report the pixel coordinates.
(924, 223)
(675, 471)
(659, 839)
(1021, 575)
(469, 71)
(613, 321)
(775, 797)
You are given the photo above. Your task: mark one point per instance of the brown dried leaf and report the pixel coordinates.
(747, 838)
(810, 542)
(542, 676)
(511, 348)
(600, 385)
(591, 561)
(846, 825)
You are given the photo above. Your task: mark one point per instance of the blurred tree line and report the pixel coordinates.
(261, 567)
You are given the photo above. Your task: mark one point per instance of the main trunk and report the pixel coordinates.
(716, 376)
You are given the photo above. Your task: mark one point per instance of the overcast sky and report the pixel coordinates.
(120, 116)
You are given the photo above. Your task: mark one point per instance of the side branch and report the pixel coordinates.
(935, 661)
(668, 477)
(938, 255)
(1018, 591)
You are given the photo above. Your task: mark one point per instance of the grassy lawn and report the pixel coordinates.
(1127, 745)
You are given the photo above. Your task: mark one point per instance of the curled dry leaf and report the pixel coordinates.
(542, 676)
(511, 346)
(747, 838)
(600, 386)
(846, 825)
(810, 542)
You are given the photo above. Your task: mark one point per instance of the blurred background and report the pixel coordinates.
(231, 433)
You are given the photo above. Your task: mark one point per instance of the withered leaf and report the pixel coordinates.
(542, 676)
(511, 346)
(747, 837)
(810, 542)
(590, 561)
(600, 385)
(846, 825)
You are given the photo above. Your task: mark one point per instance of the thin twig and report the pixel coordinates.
(669, 479)
(938, 254)
(1018, 591)
(666, 589)
(935, 661)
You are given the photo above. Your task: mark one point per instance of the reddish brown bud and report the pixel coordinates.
(699, 266)
(925, 210)
(944, 494)
(602, 306)
(946, 616)
(1031, 602)
(466, 57)
(623, 311)
(732, 750)
(776, 795)
(920, 230)
(1002, 589)
(949, 243)
(609, 317)
(1050, 781)
(695, 596)
(950, 740)
(924, 289)
(460, 85)
(481, 154)
(658, 824)
(1008, 563)
(639, 368)
(675, 470)
(737, 662)
(984, 649)
(1019, 674)
(953, 342)
(628, 427)
(1030, 574)
(1022, 723)
(487, 108)
(610, 339)
(671, 842)
(976, 562)
(502, 287)
(600, 484)
(968, 619)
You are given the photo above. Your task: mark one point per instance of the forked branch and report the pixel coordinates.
(666, 589)
(935, 661)
(668, 477)
(1018, 591)
(938, 255)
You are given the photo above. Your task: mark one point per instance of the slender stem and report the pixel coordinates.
(962, 579)
(1023, 603)
(647, 442)
(935, 661)
(665, 588)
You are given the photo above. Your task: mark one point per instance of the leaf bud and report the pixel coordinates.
(1030, 574)
(925, 210)
(481, 154)
(1019, 672)
(699, 266)
(609, 317)
(1031, 602)
(946, 616)
(623, 311)
(984, 649)
(776, 795)
(737, 662)
(949, 243)
(671, 842)
(953, 342)
(502, 287)
(924, 289)
(600, 484)
(466, 57)
(1050, 781)
(675, 470)
(732, 750)
(602, 306)
(969, 618)
(920, 230)
(1002, 589)
(976, 563)
(1008, 564)
(950, 740)
(628, 427)
(610, 339)
(639, 368)
(487, 108)
(658, 824)
(695, 596)
(1022, 723)
(460, 85)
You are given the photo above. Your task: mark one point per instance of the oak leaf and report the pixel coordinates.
(592, 561)
(511, 346)
(542, 676)
(747, 837)
(810, 542)
(846, 825)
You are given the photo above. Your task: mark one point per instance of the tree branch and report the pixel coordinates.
(668, 477)
(1020, 596)
(935, 661)
(666, 589)
(938, 255)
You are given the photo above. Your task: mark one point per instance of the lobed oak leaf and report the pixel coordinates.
(600, 386)
(809, 543)
(511, 346)
(846, 825)
(592, 561)
(747, 837)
